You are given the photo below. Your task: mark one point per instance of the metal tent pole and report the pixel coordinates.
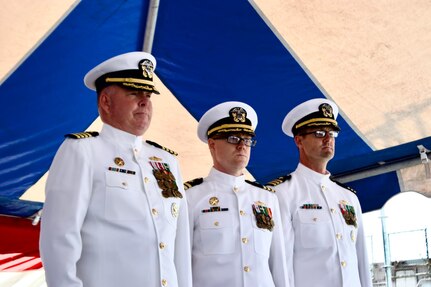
(150, 28)
(386, 249)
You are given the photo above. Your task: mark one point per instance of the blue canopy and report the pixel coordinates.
(242, 59)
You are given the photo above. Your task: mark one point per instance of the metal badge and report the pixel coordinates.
(326, 110)
(348, 212)
(147, 68)
(213, 201)
(263, 216)
(238, 114)
(353, 235)
(165, 179)
(174, 210)
(119, 161)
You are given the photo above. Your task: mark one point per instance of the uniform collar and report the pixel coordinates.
(225, 178)
(311, 174)
(120, 137)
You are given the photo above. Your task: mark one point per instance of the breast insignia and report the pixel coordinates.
(161, 147)
(82, 135)
(255, 183)
(343, 185)
(193, 182)
(279, 180)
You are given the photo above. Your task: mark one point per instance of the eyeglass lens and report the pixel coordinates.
(237, 140)
(322, 134)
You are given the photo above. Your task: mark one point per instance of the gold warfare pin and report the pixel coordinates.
(119, 161)
(213, 201)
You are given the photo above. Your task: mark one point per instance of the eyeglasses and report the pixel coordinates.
(237, 140)
(322, 134)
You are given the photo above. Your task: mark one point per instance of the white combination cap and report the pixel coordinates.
(134, 70)
(312, 113)
(227, 117)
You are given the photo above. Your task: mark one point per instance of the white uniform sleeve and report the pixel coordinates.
(182, 242)
(68, 191)
(277, 259)
(362, 254)
(289, 237)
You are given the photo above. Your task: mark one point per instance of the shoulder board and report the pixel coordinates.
(255, 183)
(162, 147)
(193, 182)
(82, 135)
(279, 180)
(343, 185)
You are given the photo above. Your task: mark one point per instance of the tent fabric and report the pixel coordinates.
(49, 86)
(208, 52)
(254, 67)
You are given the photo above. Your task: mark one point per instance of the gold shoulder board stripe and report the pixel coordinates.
(255, 183)
(279, 180)
(193, 182)
(82, 135)
(162, 147)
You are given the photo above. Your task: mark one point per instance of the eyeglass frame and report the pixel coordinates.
(332, 134)
(236, 140)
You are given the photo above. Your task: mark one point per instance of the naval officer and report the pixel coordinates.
(115, 212)
(235, 224)
(322, 220)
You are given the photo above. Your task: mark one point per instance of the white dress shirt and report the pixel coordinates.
(228, 247)
(105, 221)
(324, 249)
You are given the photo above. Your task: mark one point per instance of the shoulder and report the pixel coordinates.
(82, 135)
(255, 183)
(279, 180)
(193, 182)
(161, 147)
(344, 186)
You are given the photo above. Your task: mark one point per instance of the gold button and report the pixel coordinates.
(339, 236)
(242, 212)
(164, 282)
(332, 210)
(244, 240)
(161, 245)
(343, 263)
(154, 211)
(216, 223)
(146, 179)
(235, 189)
(246, 269)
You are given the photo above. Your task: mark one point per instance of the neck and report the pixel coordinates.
(319, 167)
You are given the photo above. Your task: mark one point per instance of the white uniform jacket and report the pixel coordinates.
(327, 249)
(105, 221)
(228, 247)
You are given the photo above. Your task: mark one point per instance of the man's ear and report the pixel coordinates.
(211, 143)
(104, 101)
(298, 140)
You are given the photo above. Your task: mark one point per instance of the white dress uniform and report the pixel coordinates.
(228, 247)
(327, 249)
(105, 221)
